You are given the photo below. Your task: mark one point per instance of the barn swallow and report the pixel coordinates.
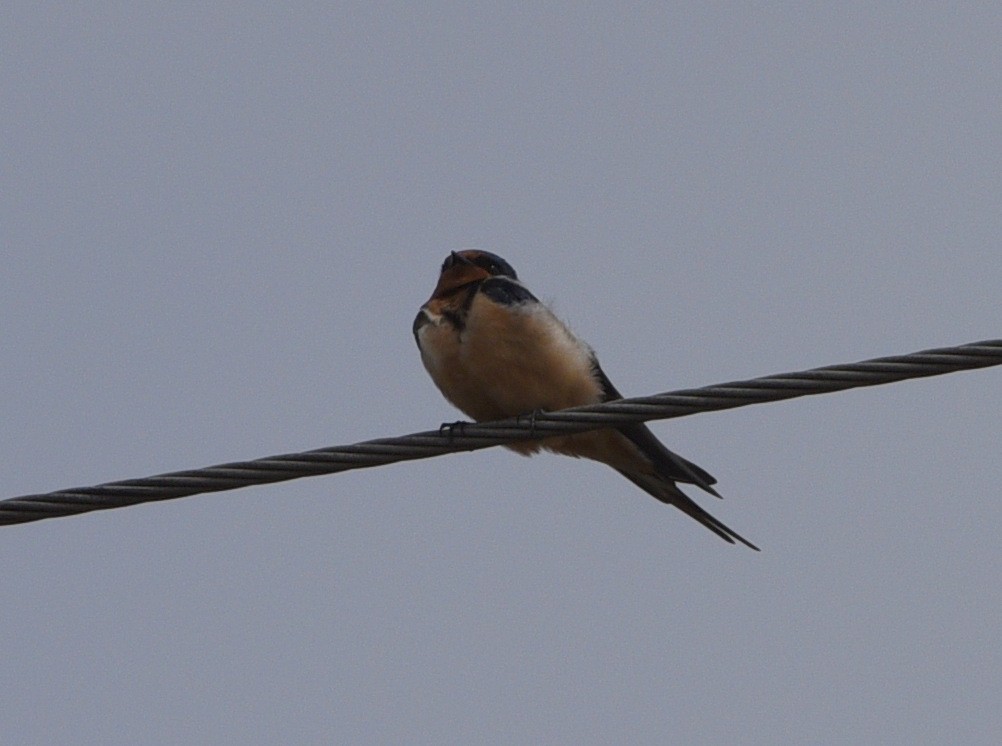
(495, 351)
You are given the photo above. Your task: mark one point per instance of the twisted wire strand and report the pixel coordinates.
(469, 436)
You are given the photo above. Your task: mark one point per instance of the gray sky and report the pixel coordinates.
(217, 226)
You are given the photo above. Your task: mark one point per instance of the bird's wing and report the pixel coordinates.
(667, 463)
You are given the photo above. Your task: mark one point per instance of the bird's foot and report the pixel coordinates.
(532, 419)
(449, 429)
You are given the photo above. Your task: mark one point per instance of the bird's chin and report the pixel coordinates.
(460, 276)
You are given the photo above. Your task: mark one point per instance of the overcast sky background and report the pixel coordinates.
(217, 225)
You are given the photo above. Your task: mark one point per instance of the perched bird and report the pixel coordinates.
(495, 351)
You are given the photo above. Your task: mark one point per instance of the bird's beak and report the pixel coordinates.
(455, 259)
(457, 272)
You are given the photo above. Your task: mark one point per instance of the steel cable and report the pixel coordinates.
(469, 436)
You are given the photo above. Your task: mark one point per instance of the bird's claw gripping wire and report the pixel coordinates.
(532, 419)
(448, 429)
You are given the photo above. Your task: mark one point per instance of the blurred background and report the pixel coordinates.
(218, 222)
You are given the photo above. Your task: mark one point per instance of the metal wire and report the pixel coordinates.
(469, 436)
